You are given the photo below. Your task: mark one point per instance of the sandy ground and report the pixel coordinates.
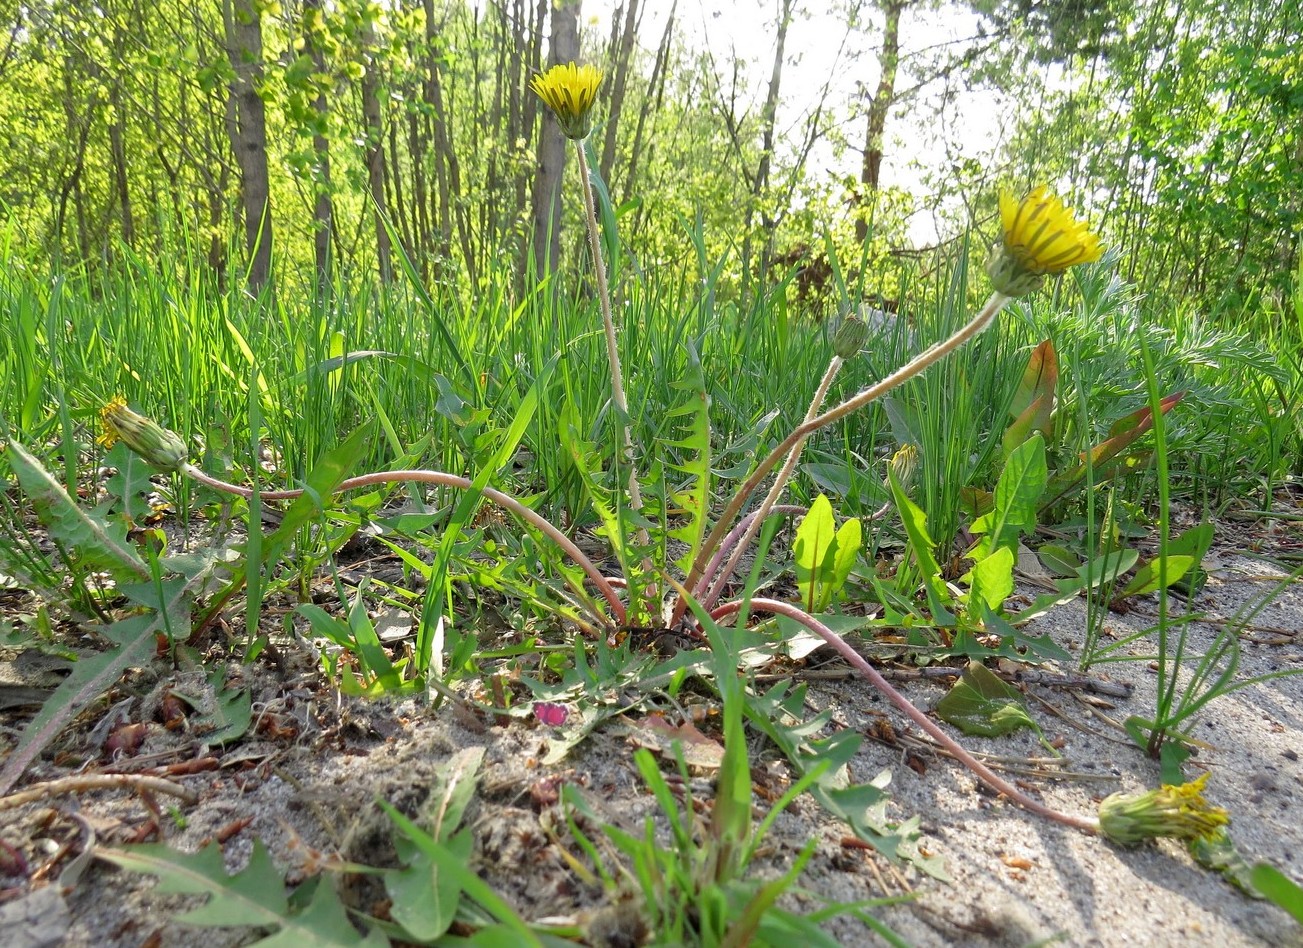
(306, 779)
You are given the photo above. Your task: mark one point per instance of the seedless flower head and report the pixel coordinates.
(1041, 237)
(1180, 812)
(904, 464)
(162, 448)
(570, 91)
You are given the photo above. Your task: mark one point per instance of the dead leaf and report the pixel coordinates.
(658, 736)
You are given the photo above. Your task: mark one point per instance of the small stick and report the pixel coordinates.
(81, 782)
(1031, 676)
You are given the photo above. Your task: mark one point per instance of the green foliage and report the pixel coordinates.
(980, 703)
(253, 897)
(823, 555)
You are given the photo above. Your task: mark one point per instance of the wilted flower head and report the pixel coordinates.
(1180, 812)
(570, 91)
(1041, 237)
(158, 446)
(903, 464)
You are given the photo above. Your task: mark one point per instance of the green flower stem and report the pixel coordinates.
(843, 648)
(505, 501)
(608, 326)
(918, 364)
(721, 579)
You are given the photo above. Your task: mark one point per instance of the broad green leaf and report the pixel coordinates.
(1017, 497)
(1059, 560)
(254, 896)
(1147, 578)
(91, 543)
(1279, 889)
(915, 523)
(991, 580)
(980, 703)
(424, 899)
(456, 868)
(1037, 384)
(814, 536)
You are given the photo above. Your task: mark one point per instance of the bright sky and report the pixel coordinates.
(819, 52)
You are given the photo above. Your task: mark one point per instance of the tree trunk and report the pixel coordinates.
(879, 108)
(564, 47)
(651, 102)
(247, 128)
(375, 151)
(768, 116)
(619, 80)
(323, 209)
(118, 156)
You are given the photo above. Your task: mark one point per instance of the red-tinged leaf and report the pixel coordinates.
(1038, 382)
(1035, 417)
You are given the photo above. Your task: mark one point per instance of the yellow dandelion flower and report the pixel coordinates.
(1180, 812)
(163, 449)
(570, 91)
(1041, 237)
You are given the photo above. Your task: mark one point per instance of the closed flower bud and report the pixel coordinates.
(155, 444)
(850, 336)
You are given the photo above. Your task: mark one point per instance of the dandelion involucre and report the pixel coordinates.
(1179, 812)
(163, 449)
(1041, 237)
(570, 91)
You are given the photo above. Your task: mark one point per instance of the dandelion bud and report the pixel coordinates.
(850, 336)
(162, 448)
(1180, 812)
(1041, 237)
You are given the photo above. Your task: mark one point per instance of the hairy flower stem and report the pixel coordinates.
(918, 364)
(613, 356)
(843, 648)
(505, 501)
(780, 482)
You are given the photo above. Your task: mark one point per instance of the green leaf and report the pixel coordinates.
(694, 499)
(980, 703)
(134, 645)
(1147, 578)
(130, 484)
(1017, 498)
(991, 581)
(254, 896)
(1059, 560)
(1219, 854)
(1279, 889)
(814, 536)
(91, 543)
(915, 523)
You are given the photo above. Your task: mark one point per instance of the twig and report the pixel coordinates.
(1030, 676)
(81, 782)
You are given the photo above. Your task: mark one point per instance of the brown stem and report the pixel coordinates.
(775, 491)
(843, 648)
(137, 782)
(906, 372)
(443, 480)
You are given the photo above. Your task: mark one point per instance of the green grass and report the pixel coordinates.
(268, 389)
